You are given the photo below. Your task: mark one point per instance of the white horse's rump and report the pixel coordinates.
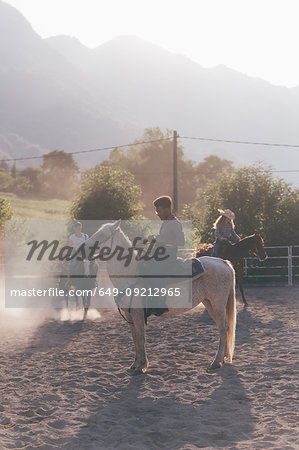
(215, 289)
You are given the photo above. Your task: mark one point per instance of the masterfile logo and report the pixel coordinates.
(45, 262)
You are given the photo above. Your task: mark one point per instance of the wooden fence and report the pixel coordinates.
(282, 265)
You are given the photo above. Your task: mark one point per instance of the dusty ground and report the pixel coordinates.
(65, 384)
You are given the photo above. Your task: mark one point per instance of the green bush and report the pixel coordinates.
(106, 194)
(20, 185)
(260, 202)
(6, 213)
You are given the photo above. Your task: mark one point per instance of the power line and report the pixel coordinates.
(161, 173)
(240, 142)
(274, 171)
(231, 141)
(91, 150)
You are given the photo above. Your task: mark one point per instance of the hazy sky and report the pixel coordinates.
(256, 37)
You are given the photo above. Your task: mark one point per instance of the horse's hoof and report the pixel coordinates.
(137, 371)
(215, 366)
(228, 359)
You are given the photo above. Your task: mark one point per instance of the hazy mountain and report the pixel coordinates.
(150, 86)
(71, 48)
(44, 98)
(57, 93)
(155, 86)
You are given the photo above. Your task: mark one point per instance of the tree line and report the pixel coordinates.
(56, 177)
(124, 186)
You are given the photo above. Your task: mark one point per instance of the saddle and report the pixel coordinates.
(197, 269)
(182, 267)
(155, 276)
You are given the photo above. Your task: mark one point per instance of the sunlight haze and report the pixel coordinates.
(258, 38)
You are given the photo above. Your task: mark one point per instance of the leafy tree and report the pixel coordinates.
(20, 185)
(5, 180)
(60, 174)
(35, 175)
(3, 165)
(150, 163)
(210, 168)
(106, 194)
(5, 213)
(188, 213)
(152, 166)
(260, 202)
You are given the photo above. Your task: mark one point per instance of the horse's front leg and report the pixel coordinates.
(136, 319)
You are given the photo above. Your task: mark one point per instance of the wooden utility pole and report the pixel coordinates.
(13, 171)
(175, 171)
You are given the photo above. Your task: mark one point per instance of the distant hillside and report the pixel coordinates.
(44, 98)
(57, 93)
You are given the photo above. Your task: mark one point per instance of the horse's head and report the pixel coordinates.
(105, 233)
(90, 248)
(258, 249)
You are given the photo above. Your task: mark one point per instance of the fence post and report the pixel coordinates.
(290, 269)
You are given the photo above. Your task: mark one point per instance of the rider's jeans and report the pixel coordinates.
(217, 247)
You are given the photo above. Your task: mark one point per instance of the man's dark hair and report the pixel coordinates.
(165, 201)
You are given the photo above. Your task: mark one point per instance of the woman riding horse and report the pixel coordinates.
(236, 253)
(224, 230)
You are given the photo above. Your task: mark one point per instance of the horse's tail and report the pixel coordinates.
(231, 318)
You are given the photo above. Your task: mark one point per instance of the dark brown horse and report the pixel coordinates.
(236, 253)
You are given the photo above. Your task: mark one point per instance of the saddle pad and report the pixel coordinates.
(197, 269)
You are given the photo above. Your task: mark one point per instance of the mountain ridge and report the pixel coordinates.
(58, 93)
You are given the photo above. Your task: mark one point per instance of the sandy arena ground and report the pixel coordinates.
(65, 384)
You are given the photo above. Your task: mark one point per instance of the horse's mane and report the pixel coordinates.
(106, 226)
(128, 241)
(245, 240)
(247, 237)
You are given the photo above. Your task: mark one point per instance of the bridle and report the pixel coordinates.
(112, 234)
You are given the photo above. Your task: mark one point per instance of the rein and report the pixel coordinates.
(251, 245)
(119, 310)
